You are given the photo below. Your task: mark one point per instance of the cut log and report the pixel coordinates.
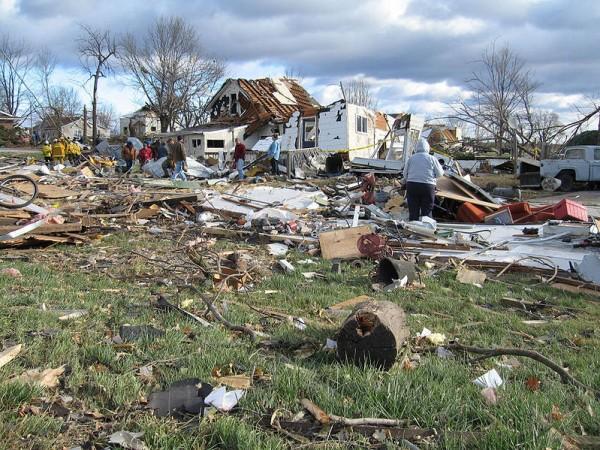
(373, 333)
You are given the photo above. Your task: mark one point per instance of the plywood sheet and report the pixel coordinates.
(342, 244)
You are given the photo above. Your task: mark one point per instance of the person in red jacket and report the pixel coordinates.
(145, 155)
(239, 157)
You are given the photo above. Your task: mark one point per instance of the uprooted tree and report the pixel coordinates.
(172, 70)
(96, 48)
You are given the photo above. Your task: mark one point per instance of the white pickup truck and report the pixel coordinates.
(577, 164)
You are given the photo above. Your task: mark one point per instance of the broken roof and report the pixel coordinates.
(280, 97)
(268, 99)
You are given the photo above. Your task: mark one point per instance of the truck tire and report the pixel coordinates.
(566, 181)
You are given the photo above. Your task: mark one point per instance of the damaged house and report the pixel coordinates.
(250, 110)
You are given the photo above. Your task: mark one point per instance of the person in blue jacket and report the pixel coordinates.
(273, 153)
(421, 172)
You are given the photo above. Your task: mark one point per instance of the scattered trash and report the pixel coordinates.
(277, 249)
(128, 439)
(222, 400)
(9, 354)
(48, 378)
(184, 396)
(489, 379)
(490, 396)
(474, 277)
(286, 266)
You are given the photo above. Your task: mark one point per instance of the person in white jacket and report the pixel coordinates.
(421, 172)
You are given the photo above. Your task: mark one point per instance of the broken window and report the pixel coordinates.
(215, 143)
(233, 104)
(196, 143)
(124, 130)
(152, 128)
(361, 124)
(309, 130)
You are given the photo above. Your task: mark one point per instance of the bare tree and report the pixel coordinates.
(15, 62)
(171, 69)
(54, 104)
(107, 117)
(502, 91)
(96, 48)
(358, 92)
(294, 73)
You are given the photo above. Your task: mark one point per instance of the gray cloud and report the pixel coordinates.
(334, 39)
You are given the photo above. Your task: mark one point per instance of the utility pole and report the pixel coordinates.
(85, 124)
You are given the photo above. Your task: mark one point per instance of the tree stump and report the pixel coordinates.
(373, 333)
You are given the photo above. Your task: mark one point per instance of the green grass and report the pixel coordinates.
(438, 393)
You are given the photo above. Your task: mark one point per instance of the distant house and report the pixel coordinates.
(72, 127)
(211, 140)
(442, 136)
(143, 122)
(7, 120)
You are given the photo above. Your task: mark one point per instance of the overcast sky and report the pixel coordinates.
(416, 54)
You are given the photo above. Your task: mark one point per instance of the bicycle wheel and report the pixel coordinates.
(17, 191)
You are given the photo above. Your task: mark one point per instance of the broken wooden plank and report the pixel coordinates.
(464, 199)
(217, 231)
(9, 354)
(343, 243)
(48, 228)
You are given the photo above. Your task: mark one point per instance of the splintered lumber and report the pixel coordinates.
(217, 231)
(342, 244)
(373, 333)
(171, 200)
(9, 354)
(48, 228)
(464, 198)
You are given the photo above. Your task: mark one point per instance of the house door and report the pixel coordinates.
(309, 133)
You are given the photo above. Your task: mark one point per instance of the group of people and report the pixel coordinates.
(175, 162)
(239, 156)
(62, 149)
(173, 150)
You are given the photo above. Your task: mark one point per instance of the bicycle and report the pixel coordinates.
(17, 191)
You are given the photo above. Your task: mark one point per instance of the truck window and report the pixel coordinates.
(597, 154)
(575, 153)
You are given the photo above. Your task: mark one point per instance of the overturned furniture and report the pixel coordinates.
(373, 333)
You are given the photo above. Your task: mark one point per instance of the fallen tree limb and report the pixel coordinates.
(162, 302)
(324, 418)
(217, 315)
(565, 376)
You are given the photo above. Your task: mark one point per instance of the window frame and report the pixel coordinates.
(210, 144)
(362, 124)
(572, 150)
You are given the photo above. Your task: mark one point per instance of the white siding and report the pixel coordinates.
(358, 139)
(333, 127)
(290, 133)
